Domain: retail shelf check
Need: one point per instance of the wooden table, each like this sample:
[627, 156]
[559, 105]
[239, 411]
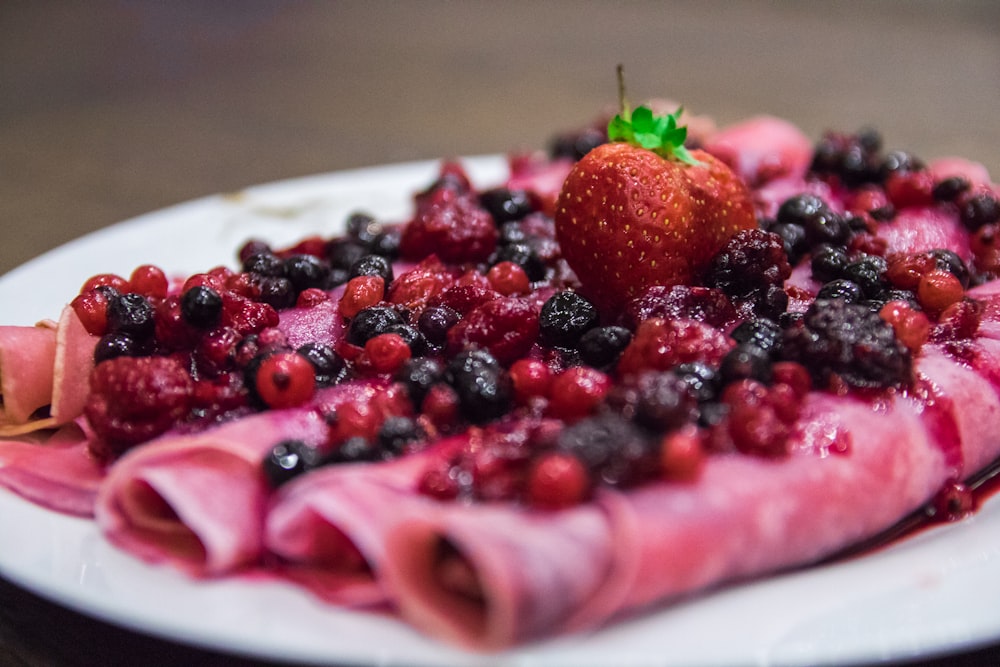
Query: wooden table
[110, 109]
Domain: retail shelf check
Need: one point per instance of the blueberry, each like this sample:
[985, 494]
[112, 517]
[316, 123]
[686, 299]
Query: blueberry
[371, 322]
[435, 322]
[289, 459]
[506, 205]
[277, 292]
[522, 255]
[483, 388]
[950, 189]
[386, 243]
[343, 253]
[362, 227]
[746, 361]
[396, 434]
[356, 449]
[980, 209]
[565, 317]
[411, 336]
[418, 375]
[664, 401]
[951, 262]
[612, 448]
[307, 271]
[601, 346]
[131, 314]
[329, 366]
[702, 379]
[201, 307]
[575, 146]
[117, 344]
[264, 264]
[372, 265]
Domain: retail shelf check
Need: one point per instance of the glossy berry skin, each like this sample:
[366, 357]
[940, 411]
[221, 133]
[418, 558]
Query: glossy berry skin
[565, 317]
[557, 480]
[627, 218]
[201, 307]
[287, 460]
[285, 380]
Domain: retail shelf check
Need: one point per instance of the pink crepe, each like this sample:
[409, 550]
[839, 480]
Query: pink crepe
[744, 517]
[328, 528]
[73, 363]
[197, 501]
[27, 360]
[53, 470]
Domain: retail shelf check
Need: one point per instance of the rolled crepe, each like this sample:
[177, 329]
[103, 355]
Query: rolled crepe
[198, 500]
[855, 469]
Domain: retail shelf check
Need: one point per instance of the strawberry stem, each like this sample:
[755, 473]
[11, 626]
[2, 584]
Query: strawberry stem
[660, 134]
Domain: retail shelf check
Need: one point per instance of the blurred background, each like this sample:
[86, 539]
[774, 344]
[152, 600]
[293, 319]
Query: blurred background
[111, 108]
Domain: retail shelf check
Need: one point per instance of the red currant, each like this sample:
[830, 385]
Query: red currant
[938, 289]
[385, 353]
[92, 309]
[530, 378]
[682, 455]
[285, 380]
[577, 391]
[508, 279]
[911, 326]
[149, 280]
[361, 292]
[557, 480]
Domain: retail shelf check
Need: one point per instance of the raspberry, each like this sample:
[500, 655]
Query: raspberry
[706, 304]
[462, 298]
[457, 229]
[507, 327]
[661, 344]
[135, 399]
[415, 288]
[756, 423]
[246, 316]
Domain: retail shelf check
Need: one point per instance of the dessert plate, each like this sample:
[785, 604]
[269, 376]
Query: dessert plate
[929, 594]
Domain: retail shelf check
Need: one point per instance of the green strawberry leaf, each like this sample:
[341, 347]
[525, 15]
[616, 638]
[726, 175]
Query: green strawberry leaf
[659, 134]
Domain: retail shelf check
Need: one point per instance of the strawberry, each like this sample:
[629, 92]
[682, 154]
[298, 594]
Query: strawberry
[643, 210]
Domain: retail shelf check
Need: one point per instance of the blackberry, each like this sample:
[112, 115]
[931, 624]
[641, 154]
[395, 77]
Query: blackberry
[277, 292]
[565, 317]
[524, 256]
[506, 205]
[828, 263]
[868, 273]
[848, 340]
[841, 288]
[131, 314]
[371, 322]
[483, 389]
[979, 209]
[287, 460]
[600, 347]
[613, 449]
[418, 375]
[396, 433]
[762, 332]
[435, 322]
[264, 264]
[746, 361]
[752, 268]
[201, 307]
[372, 265]
[307, 271]
[329, 366]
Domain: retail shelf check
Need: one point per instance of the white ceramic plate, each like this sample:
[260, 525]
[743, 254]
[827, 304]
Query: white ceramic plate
[928, 595]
